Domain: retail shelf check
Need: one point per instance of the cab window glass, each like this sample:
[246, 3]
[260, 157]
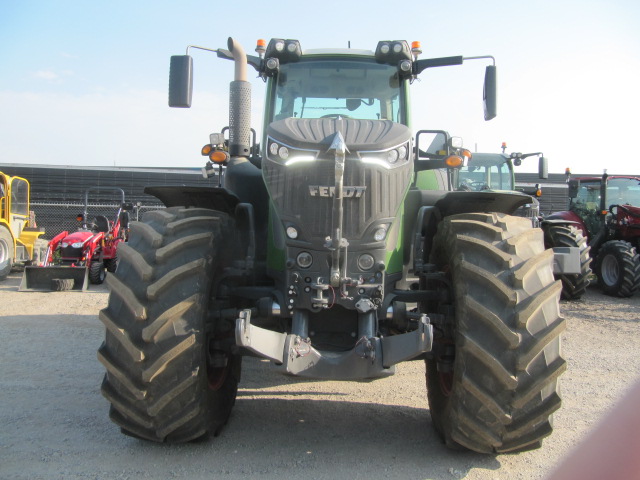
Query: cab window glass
[19, 196]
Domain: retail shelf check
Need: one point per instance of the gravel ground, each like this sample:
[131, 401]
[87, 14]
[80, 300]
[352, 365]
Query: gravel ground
[54, 422]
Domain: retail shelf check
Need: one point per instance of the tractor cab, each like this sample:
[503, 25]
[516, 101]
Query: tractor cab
[591, 198]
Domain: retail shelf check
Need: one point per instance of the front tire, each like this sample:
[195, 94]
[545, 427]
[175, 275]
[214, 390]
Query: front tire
[97, 272]
[492, 387]
[574, 285]
[111, 264]
[163, 381]
[618, 268]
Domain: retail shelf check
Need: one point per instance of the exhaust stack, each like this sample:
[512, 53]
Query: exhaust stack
[239, 104]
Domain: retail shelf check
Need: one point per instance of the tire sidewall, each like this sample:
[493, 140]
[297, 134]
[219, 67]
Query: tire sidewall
[7, 253]
[626, 260]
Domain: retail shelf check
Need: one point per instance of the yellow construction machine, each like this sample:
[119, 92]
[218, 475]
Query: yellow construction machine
[20, 241]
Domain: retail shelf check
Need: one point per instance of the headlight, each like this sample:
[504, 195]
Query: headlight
[365, 262]
[387, 158]
[289, 155]
[283, 153]
[380, 233]
[292, 232]
[304, 259]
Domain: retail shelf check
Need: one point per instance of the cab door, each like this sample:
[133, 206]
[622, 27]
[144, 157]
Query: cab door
[18, 205]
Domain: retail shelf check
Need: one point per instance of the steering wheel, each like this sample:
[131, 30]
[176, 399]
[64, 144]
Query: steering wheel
[479, 186]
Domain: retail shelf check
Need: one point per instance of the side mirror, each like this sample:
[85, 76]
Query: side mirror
[438, 143]
[573, 189]
[489, 94]
[543, 168]
[180, 81]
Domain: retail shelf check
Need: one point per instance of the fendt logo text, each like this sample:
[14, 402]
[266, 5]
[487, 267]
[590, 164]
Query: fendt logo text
[325, 191]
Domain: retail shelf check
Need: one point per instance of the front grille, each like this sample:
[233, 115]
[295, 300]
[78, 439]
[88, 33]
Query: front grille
[289, 189]
[71, 253]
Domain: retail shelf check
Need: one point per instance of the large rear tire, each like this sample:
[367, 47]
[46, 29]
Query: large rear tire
[493, 385]
[160, 379]
[618, 268]
[574, 285]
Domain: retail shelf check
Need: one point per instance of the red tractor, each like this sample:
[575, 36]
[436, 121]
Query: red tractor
[75, 259]
[607, 211]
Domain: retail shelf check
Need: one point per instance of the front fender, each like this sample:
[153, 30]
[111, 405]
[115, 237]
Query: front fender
[565, 218]
[486, 201]
[213, 198]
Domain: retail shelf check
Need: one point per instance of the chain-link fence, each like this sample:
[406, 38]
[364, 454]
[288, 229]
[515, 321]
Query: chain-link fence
[57, 217]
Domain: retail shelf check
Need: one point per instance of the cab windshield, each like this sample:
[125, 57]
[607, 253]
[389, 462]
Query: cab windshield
[486, 172]
[360, 89]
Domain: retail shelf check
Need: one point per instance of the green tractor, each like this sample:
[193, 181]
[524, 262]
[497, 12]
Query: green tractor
[487, 172]
[336, 249]
[494, 171]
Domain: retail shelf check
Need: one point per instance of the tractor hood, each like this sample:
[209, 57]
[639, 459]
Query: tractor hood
[81, 236]
[359, 135]
[301, 166]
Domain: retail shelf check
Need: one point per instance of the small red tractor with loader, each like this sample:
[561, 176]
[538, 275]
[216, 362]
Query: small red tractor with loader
[76, 259]
[606, 211]
[20, 242]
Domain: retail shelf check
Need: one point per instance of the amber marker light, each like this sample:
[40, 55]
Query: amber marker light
[416, 49]
[466, 153]
[206, 150]
[261, 47]
[219, 156]
[453, 161]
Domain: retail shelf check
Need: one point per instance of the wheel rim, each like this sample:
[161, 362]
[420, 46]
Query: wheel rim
[445, 367]
[446, 382]
[610, 270]
[217, 377]
[4, 253]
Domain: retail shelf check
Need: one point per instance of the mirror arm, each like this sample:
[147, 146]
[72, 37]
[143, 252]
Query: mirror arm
[423, 64]
[493, 60]
[538, 154]
[255, 62]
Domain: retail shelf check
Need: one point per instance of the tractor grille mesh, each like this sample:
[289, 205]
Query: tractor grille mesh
[289, 188]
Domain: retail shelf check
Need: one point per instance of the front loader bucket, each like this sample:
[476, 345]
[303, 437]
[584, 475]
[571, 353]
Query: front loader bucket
[54, 278]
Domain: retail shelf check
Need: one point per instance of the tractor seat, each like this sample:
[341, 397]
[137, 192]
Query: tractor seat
[102, 224]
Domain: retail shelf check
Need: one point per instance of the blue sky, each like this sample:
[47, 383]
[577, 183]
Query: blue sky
[85, 83]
